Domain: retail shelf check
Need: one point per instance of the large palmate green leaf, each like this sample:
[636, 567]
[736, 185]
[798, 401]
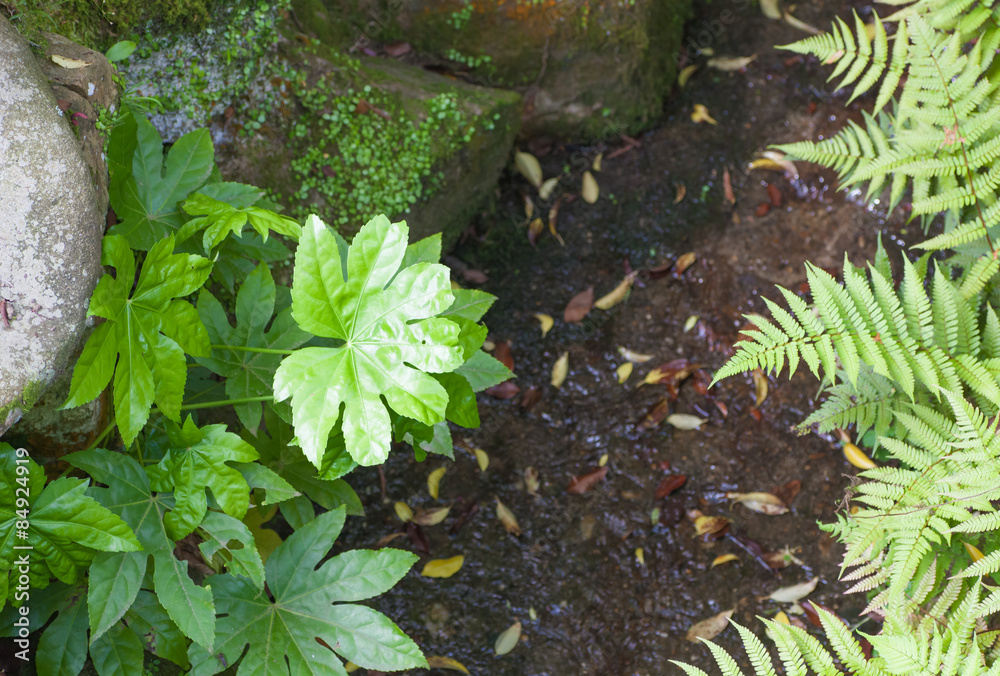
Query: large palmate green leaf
[197, 461]
[148, 331]
[128, 495]
[249, 374]
[392, 339]
[56, 528]
[146, 194]
[284, 630]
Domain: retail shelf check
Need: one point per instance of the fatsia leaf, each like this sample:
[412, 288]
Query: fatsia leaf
[115, 579]
[284, 631]
[62, 648]
[118, 652]
[150, 364]
[161, 636]
[147, 201]
[61, 527]
[483, 371]
[248, 374]
[129, 496]
[196, 461]
[324, 487]
[220, 532]
[219, 218]
[392, 340]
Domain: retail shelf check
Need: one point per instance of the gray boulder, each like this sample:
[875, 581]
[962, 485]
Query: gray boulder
[51, 224]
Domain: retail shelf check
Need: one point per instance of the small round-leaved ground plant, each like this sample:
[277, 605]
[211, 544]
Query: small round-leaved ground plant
[369, 345]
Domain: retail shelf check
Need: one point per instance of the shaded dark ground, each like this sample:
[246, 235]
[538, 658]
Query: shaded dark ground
[597, 610]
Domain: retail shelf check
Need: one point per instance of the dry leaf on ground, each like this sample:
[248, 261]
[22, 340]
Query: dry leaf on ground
[508, 639]
[443, 568]
[579, 306]
[710, 628]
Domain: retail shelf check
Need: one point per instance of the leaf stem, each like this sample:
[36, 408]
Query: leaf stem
[225, 402]
[262, 350]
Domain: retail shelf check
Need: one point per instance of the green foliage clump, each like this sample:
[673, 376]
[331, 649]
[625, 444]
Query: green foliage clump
[374, 317]
[917, 364]
[365, 148]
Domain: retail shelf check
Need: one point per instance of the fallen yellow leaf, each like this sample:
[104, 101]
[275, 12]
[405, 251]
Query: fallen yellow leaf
[624, 371]
[759, 387]
[66, 62]
[482, 459]
[590, 190]
[507, 518]
[640, 556]
[596, 166]
[603, 460]
[404, 512]
[430, 517]
[616, 295]
[795, 592]
[731, 62]
[560, 370]
[529, 207]
[724, 558]
[443, 567]
[546, 321]
[770, 9]
[434, 481]
[686, 421]
[527, 165]
[762, 503]
[531, 483]
[546, 190]
[681, 191]
[634, 357]
[507, 640]
[974, 551]
[857, 457]
[439, 662]
[700, 114]
[685, 75]
[689, 324]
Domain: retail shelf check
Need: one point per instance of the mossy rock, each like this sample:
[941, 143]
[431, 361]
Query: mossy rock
[588, 68]
[355, 138]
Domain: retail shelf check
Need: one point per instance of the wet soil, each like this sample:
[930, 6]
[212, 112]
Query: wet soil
[588, 604]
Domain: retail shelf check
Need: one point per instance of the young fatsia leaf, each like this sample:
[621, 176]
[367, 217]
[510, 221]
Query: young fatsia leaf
[197, 461]
[301, 623]
[148, 331]
[392, 340]
[220, 218]
[63, 527]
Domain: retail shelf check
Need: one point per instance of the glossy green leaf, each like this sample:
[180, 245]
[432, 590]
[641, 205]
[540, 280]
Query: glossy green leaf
[470, 304]
[129, 495]
[483, 371]
[120, 50]
[248, 374]
[147, 203]
[115, 579]
[392, 340]
[219, 218]
[195, 462]
[150, 364]
[231, 540]
[273, 444]
[287, 627]
[118, 652]
[462, 408]
[64, 527]
[161, 636]
[298, 511]
[62, 648]
[258, 476]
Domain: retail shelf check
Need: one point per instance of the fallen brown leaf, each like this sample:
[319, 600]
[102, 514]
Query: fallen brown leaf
[710, 627]
[505, 390]
[582, 484]
[579, 306]
[727, 186]
[670, 484]
[502, 354]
